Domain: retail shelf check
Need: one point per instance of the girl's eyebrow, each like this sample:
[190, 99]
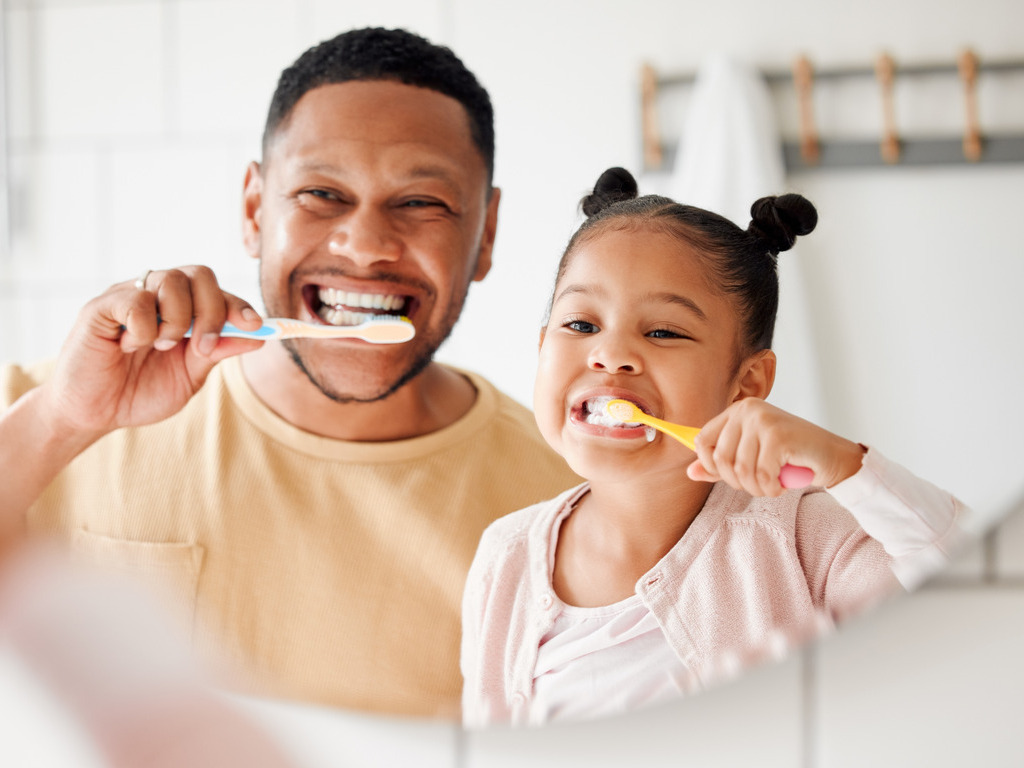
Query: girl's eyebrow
[675, 298]
[663, 297]
[586, 290]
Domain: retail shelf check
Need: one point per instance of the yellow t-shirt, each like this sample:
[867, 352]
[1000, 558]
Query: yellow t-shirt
[320, 570]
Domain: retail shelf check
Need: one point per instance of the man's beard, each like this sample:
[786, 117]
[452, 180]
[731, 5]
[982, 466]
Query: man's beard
[426, 355]
[419, 364]
[414, 370]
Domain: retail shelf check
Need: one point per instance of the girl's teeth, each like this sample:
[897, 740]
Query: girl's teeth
[597, 413]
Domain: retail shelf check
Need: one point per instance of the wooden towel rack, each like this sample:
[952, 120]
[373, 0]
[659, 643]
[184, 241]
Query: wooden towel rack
[812, 151]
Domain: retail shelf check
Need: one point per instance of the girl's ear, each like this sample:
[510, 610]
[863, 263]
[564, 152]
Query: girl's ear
[756, 376]
[540, 341]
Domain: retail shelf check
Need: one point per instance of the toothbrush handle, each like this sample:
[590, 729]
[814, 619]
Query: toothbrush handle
[792, 476]
[268, 330]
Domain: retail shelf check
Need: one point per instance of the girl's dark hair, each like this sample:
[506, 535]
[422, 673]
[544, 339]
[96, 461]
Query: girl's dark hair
[743, 263]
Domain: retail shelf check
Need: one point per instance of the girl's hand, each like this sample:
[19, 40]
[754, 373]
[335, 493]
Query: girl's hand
[126, 363]
[747, 445]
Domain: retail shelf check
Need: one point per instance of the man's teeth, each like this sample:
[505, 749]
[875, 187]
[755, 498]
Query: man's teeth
[333, 316]
[384, 302]
[340, 307]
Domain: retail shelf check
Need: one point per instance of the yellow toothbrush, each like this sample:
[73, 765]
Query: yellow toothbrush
[790, 476]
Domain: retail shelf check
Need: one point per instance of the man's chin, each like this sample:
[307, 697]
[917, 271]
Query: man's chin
[350, 386]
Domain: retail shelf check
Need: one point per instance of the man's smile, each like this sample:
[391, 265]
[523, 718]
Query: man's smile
[338, 307]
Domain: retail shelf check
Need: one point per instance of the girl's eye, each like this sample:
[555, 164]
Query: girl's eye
[581, 326]
[665, 333]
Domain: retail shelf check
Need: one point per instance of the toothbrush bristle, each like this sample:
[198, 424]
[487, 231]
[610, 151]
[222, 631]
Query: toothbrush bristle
[388, 329]
[621, 409]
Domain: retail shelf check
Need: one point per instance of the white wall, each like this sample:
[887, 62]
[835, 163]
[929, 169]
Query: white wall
[130, 125]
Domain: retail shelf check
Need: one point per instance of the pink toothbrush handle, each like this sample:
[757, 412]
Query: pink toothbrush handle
[792, 476]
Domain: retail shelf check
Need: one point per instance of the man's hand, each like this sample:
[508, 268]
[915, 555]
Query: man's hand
[126, 361]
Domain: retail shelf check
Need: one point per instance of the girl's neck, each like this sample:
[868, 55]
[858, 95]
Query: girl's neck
[618, 532]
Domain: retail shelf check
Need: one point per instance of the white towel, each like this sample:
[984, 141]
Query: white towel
[729, 155]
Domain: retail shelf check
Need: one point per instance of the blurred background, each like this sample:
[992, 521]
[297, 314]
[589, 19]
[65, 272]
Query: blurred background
[127, 128]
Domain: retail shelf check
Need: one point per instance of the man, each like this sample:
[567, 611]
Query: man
[314, 506]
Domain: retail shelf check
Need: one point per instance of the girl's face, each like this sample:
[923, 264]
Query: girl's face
[635, 316]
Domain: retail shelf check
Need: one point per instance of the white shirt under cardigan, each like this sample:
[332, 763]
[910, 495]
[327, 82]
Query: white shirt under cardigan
[749, 578]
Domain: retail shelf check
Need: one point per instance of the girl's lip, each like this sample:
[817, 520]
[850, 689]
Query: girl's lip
[577, 417]
[612, 392]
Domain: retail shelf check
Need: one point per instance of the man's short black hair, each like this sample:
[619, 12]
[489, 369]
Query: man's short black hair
[385, 54]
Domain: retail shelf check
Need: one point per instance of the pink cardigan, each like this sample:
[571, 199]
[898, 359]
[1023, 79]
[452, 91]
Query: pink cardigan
[750, 578]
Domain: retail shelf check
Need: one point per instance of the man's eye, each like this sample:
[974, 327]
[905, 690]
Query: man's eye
[319, 194]
[581, 326]
[419, 202]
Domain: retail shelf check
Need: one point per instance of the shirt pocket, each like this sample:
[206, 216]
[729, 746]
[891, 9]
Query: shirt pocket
[169, 569]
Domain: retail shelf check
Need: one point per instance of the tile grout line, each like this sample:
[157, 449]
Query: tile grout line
[5, 199]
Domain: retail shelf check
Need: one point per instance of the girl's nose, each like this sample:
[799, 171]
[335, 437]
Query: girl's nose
[365, 236]
[614, 356]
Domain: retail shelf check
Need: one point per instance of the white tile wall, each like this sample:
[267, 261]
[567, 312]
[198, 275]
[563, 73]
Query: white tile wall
[175, 204]
[101, 70]
[20, 48]
[227, 56]
[56, 222]
[131, 122]
[329, 17]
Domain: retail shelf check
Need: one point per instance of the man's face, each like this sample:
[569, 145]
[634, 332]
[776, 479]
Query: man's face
[372, 199]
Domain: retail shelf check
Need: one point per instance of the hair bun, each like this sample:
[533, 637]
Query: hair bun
[778, 221]
[613, 186]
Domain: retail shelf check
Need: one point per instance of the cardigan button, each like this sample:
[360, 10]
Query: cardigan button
[518, 699]
[546, 600]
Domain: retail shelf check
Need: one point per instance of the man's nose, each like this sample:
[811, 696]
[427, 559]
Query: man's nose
[365, 236]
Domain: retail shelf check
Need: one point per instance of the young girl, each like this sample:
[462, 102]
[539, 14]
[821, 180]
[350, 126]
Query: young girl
[667, 571]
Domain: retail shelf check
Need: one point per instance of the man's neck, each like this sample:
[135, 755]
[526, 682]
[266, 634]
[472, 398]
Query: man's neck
[432, 400]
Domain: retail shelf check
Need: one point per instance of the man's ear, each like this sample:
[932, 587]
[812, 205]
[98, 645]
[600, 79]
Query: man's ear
[483, 262]
[756, 376]
[252, 202]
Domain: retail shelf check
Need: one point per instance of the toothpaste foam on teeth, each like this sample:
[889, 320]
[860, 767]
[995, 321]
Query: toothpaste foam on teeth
[598, 414]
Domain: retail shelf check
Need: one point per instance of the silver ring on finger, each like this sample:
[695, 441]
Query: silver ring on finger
[140, 281]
